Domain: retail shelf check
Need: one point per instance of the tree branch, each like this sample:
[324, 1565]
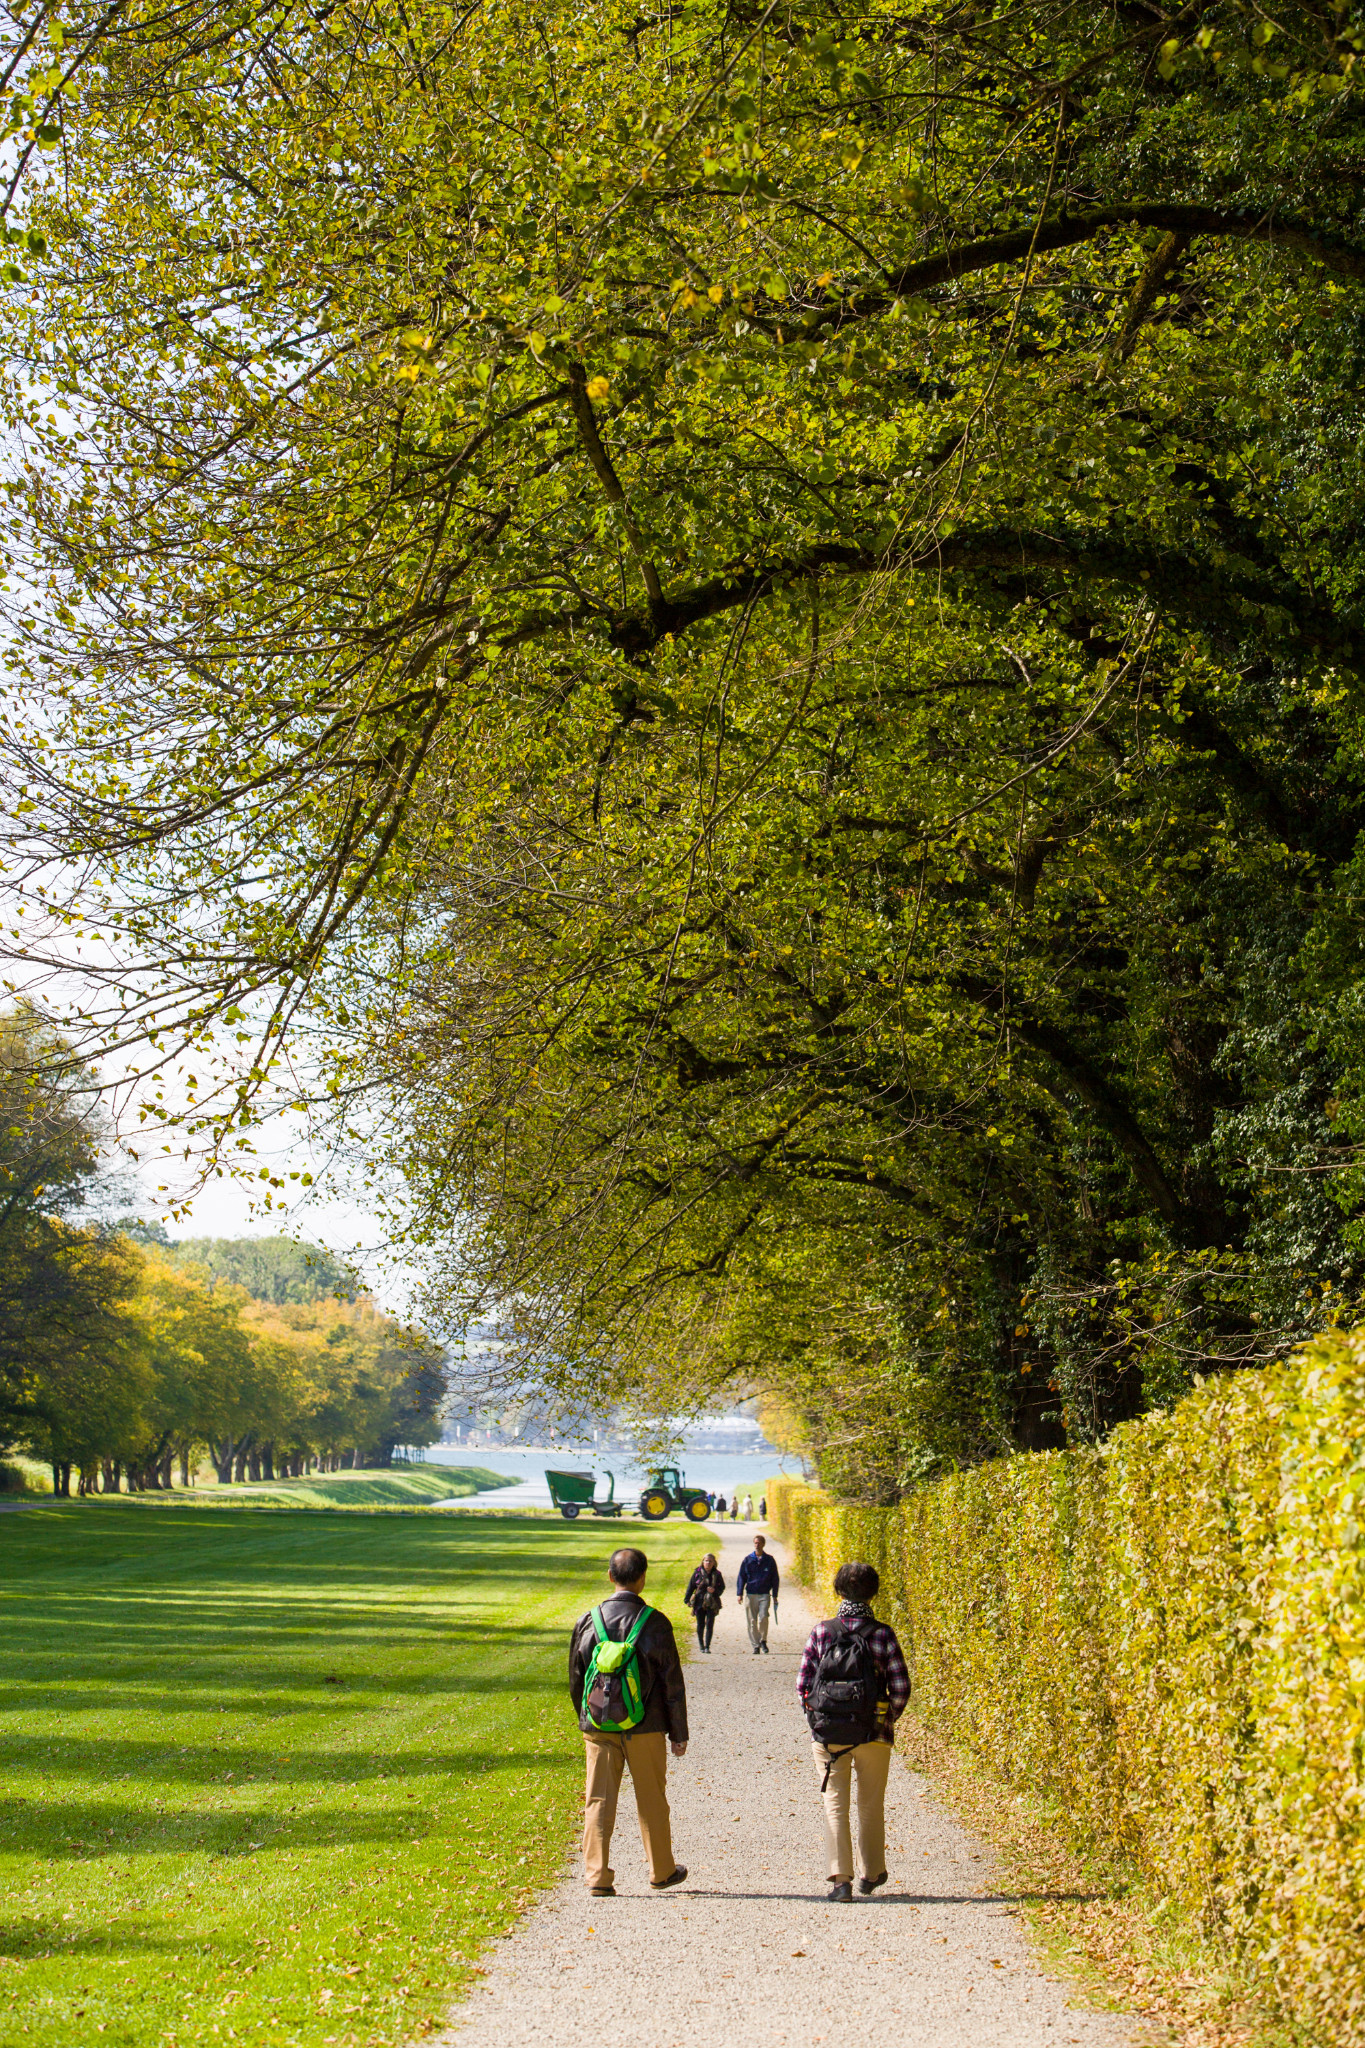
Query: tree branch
[1164, 259]
[1067, 231]
[607, 477]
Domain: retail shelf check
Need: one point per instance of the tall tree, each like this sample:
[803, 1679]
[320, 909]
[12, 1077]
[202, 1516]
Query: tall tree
[62, 1284]
[760, 616]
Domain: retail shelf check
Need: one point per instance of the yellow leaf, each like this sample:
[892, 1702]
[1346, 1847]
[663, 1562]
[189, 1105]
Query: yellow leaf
[598, 387]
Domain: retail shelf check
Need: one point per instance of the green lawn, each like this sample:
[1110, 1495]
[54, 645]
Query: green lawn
[412, 1486]
[279, 1778]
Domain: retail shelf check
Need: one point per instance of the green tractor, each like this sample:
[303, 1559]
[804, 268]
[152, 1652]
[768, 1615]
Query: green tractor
[665, 1490]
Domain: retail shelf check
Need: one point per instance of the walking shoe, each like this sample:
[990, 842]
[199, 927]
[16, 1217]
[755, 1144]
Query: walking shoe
[666, 1883]
[764, 1648]
[757, 1647]
[870, 1884]
[840, 1891]
[602, 1891]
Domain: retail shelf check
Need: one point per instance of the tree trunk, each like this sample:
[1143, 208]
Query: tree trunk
[185, 1466]
[165, 1474]
[222, 1460]
[61, 1480]
[254, 1463]
[109, 1476]
[267, 1461]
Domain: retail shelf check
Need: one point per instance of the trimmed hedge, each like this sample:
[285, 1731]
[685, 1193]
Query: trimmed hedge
[1167, 1635]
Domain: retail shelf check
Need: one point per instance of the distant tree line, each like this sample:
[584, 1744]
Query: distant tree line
[124, 1357]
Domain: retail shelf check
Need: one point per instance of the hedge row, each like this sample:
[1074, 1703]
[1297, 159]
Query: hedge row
[1168, 1636]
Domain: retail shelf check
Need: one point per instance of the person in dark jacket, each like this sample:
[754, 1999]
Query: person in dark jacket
[757, 1585]
[865, 1766]
[642, 1749]
[705, 1592]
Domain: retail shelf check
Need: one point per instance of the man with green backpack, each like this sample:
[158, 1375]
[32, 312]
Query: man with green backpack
[626, 1683]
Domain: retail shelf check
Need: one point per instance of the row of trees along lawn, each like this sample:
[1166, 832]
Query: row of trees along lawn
[124, 1358]
[753, 619]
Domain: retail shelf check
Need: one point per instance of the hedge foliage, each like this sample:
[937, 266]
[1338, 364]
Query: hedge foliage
[1167, 1635]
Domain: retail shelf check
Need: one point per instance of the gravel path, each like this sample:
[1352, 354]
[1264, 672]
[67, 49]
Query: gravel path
[748, 1949]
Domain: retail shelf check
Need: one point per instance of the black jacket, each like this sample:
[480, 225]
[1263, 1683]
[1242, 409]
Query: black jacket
[705, 1591]
[657, 1655]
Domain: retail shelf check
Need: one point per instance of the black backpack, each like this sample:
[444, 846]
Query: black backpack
[842, 1705]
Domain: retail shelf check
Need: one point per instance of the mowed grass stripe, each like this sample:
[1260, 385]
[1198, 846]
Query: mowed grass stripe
[280, 1778]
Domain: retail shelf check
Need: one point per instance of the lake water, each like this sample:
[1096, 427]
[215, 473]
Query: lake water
[716, 1471]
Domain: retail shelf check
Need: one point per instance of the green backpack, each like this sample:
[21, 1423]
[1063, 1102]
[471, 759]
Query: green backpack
[613, 1698]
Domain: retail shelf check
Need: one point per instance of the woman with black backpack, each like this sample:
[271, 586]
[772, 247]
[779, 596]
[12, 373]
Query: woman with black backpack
[705, 1592]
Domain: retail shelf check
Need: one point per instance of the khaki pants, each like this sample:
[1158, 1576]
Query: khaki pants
[756, 1614]
[607, 1758]
[868, 1764]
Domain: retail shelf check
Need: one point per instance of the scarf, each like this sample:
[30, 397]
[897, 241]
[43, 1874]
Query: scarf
[855, 1610]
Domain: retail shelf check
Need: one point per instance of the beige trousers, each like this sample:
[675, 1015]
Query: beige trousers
[756, 1607]
[607, 1758]
[868, 1765]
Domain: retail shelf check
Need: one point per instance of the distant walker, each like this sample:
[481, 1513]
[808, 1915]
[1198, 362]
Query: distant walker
[757, 1587]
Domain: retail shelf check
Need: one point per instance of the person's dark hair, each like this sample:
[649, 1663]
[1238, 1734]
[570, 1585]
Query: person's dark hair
[627, 1566]
[856, 1581]
[760, 1543]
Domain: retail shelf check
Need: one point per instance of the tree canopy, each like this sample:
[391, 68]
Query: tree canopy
[754, 618]
[274, 1269]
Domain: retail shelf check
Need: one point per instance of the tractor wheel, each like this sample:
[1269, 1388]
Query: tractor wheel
[569, 1510]
[655, 1506]
[698, 1509]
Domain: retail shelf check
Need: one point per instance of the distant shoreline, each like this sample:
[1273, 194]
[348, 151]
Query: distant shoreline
[600, 1451]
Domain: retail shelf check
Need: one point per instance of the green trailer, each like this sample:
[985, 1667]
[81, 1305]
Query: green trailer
[574, 1493]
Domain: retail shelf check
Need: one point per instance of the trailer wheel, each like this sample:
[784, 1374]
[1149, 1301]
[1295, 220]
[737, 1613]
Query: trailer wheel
[569, 1510]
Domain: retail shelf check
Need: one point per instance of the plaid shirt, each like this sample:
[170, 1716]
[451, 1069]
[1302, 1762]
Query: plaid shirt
[886, 1655]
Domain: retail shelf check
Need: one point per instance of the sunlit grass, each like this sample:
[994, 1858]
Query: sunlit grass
[410, 1486]
[279, 1778]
